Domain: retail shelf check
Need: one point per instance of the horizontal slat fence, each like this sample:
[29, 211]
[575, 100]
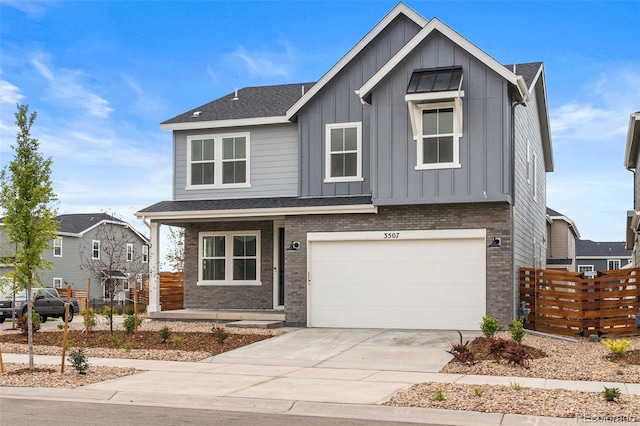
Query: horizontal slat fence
[567, 303]
[171, 291]
[81, 295]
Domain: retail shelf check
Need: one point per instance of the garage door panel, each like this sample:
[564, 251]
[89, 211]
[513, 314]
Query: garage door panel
[399, 284]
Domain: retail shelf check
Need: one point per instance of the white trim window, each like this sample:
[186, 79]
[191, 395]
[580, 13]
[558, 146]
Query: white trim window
[95, 250]
[588, 270]
[229, 258]
[343, 152]
[438, 146]
[57, 247]
[218, 161]
[129, 252]
[145, 254]
[57, 283]
[613, 264]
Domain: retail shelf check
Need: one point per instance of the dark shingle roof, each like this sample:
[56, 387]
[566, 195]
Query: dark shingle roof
[588, 248]
[252, 102]
[528, 71]
[78, 223]
[552, 212]
[559, 261]
[252, 203]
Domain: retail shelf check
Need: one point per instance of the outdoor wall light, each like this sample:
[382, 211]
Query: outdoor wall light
[295, 245]
[495, 242]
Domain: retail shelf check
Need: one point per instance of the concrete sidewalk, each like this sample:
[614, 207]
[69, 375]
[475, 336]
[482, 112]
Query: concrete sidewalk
[316, 372]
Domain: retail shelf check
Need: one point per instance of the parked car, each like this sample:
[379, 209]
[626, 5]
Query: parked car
[47, 302]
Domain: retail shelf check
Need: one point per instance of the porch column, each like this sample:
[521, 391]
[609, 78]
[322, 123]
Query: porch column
[154, 269]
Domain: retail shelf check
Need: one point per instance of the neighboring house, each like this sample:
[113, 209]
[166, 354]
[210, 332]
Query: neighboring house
[631, 160]
[78, 237]
[404, 189]
[593, 256]
[562, 234]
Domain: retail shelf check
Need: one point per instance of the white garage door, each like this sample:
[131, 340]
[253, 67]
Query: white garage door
[404, 279]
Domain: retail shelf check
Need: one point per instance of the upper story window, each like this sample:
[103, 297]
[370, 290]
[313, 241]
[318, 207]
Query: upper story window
[145, 253]
[343, 152]
[434, 97]
[57, 247]
[129, 252]
[229, 258]
[613, 264]
[57, 282]
[216, 161]
[95, 249]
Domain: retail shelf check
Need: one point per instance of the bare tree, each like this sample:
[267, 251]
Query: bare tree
[108, 259]
[175, 256]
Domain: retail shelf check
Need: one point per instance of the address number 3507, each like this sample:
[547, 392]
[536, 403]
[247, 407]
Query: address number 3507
[391, 235]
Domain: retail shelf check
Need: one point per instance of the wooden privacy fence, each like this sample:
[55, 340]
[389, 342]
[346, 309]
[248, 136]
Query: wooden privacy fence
[568, 303]
[171, 291]
[81, 295]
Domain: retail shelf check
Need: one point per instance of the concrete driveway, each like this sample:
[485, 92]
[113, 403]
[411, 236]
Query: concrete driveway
[370, 349]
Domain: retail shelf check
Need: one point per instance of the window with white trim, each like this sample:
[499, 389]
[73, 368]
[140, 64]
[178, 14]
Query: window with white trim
[129, 252]
[145, 254]
[57, 282]
[216, 161]
[343, 147]
[587, 269]
[95, 249]
[57, 247]
[613, 264]
[229, 258]
[434, 97]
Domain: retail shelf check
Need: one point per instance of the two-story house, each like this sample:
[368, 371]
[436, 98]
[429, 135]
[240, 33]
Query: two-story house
[562, 234]
[403, 189]
[631, 159]
[593, 256]
[85, 238]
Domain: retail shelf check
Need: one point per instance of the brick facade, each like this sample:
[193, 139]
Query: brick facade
[496, 218]
[228, 296]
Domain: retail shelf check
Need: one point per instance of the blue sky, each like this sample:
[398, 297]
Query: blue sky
[102, 75]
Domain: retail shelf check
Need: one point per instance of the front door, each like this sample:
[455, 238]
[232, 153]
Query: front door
[281, 267]
[278, 264]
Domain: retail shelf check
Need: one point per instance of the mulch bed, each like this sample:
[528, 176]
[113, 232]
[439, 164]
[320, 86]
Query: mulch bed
[188, 341]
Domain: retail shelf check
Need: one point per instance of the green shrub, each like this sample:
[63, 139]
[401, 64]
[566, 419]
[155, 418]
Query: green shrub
[517, 330]
[130, 323]
[490, 326]
[79, 360]
[93, 321]
[219, 333]
[176, 341]
[129, 310]
[114, 340]
[106, 313]
[478, 391]
[438, 395]
[618, 347]
[23, 323]
[127, 347]
[611, 394]
[165, 334]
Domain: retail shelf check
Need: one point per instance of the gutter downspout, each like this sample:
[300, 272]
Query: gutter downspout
[515, 279]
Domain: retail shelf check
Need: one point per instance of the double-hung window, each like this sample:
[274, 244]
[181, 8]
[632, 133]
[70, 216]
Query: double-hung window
[229, 258]
[613, 264]
[57, 247]
[343, 147]
[129, 252]
[434, 97]
[145, 254]
[95, 249]
[57, 282]
[217, 161]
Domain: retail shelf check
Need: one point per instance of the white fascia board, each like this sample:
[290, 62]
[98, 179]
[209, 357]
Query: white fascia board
[68, 234]
[436, 234]
[543, 108]
[631, 146]
[401, 8]
[113, 222]
[436, 25]
[570, 223]
[609, 257]
[434, 95]
[245, 213]
[196, 125]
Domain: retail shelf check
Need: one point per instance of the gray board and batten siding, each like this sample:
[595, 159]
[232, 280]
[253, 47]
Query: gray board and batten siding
[273, 165]
[338, 103]
[484, 147]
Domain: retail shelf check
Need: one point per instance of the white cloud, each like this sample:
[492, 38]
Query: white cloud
[9, 94]
[266, 63]
[145, 103]
[66, 87]
[33, 8]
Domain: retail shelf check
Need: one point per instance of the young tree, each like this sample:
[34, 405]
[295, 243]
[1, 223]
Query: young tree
[175, 256]
[110, 263]
[26, 193]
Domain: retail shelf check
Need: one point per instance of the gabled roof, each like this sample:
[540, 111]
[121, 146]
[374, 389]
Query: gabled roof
[76, 225]
[400, 8]
[247, 106]
[554, 215]
[633, 141]
[436, 25]
[589, 248]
